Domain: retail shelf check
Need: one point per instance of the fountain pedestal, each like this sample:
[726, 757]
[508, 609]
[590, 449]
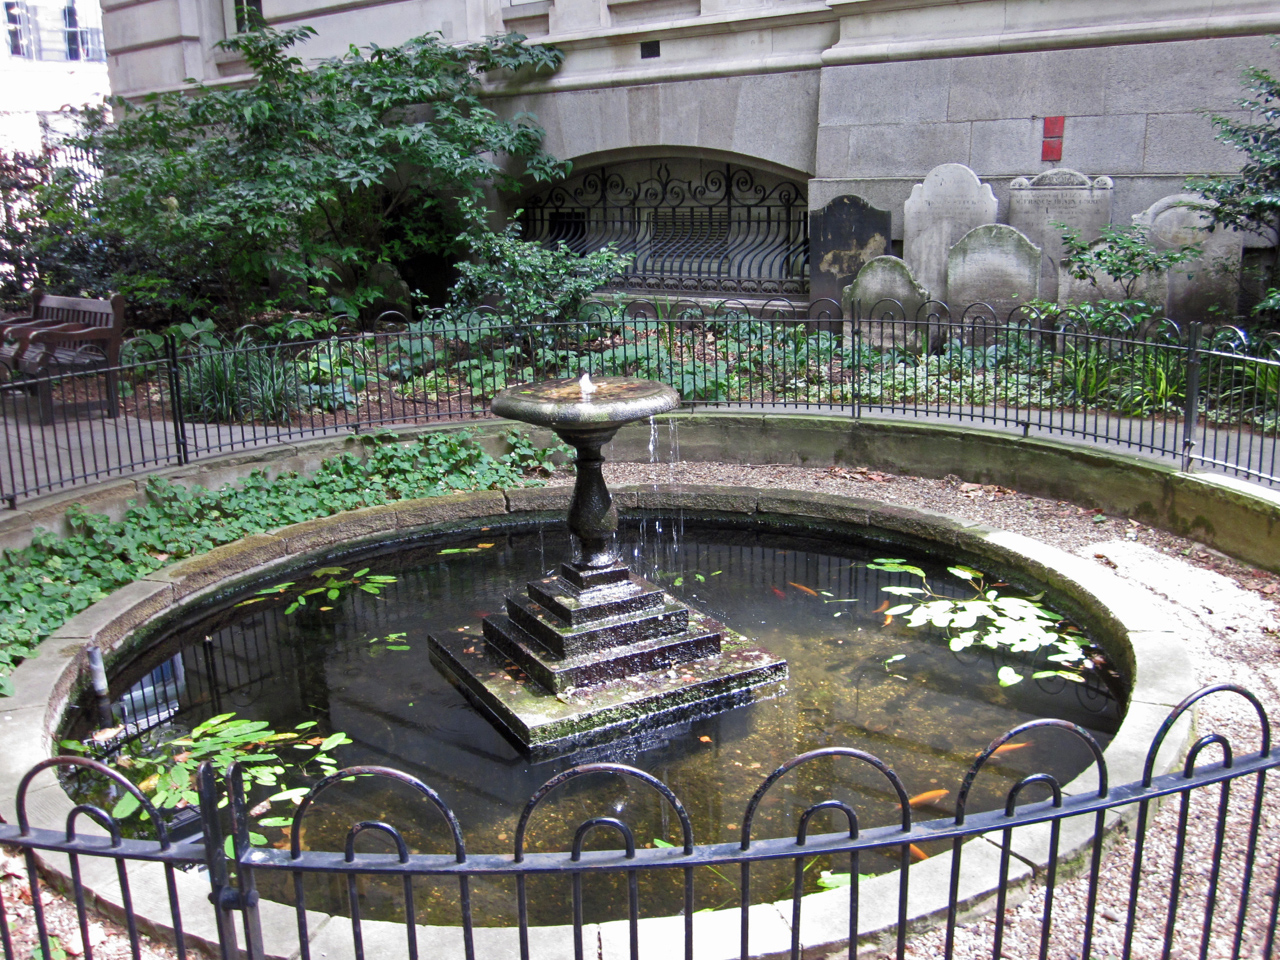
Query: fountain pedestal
[607, 655]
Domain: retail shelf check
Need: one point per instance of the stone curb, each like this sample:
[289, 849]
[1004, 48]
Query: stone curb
[1139, 634]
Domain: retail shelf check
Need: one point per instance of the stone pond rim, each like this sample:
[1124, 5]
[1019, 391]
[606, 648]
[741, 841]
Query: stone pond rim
[1139, 633]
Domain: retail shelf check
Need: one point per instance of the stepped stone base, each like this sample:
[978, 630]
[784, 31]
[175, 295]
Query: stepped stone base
[547, 724]
[598, 654]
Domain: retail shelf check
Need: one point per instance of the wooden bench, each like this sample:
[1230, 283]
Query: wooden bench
[64, 335]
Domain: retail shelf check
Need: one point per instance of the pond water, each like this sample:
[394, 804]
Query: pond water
[896, 691]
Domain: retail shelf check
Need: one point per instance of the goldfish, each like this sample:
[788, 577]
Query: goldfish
[705, 739]
[926, 799]
[802, 588]
[1009, 748]
[917, 853]
[778, 592]
[888, 619]
[882, 608]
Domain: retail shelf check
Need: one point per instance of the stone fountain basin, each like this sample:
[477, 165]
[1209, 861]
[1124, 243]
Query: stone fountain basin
[560, 404]
[1137, 634]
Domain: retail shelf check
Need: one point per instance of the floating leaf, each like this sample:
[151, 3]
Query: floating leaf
[125, 806]
[1008, 676]
[1041, 674]
[833, 881]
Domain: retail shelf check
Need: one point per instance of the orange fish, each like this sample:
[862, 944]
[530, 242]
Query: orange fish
[887, 620]
[1009, 748]
[882, 608]
[802, 588]
[926, 799]
[778, 592]
[917, 853]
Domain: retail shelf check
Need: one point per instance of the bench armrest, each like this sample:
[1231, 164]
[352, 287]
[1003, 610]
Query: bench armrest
[70, 332]
[19, 327]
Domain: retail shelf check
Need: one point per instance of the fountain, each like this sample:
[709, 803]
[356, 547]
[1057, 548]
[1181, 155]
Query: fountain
[607, 654]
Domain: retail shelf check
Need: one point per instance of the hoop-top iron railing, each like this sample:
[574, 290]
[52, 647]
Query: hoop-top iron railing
[1198, 877]
[1208, 398]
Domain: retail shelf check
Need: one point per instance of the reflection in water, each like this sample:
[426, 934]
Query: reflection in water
[897, 692]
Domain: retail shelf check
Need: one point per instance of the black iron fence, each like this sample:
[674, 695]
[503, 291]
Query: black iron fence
[1203, 397]
[1191, 873]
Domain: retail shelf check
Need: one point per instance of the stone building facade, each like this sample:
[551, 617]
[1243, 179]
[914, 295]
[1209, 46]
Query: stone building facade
[845, 98]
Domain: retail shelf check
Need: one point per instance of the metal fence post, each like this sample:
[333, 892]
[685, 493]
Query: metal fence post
[1191, 415]
[246, 894]
[175, 400]
[855, 351]
[222, 894]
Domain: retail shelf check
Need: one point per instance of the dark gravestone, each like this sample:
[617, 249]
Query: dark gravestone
[843, 235]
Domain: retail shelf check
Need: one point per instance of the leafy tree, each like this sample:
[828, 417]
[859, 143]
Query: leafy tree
[528, 282]
[21, 176]
[1124, 254]
[313, 180]
[1251, 200]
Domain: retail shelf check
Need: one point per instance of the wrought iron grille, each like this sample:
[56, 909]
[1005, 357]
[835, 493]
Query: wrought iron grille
[726, 235]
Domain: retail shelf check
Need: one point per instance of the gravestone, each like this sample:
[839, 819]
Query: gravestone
[843, 235]
[867, 303]
[950, 203]
[1058, 196]
[995, 264]
[1192, 288]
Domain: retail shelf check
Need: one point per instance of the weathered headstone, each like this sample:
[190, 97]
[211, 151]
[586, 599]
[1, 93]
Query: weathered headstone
[843, 235]
[950, 203]
[1193, 287]
[1058, 196]
[995, 264]
[884, 301]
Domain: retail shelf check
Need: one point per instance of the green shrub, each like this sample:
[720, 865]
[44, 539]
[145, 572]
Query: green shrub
[43, 585]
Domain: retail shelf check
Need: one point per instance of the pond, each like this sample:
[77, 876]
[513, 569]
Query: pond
[358, 662]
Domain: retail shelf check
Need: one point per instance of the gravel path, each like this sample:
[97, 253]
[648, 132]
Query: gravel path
[1229, 615]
